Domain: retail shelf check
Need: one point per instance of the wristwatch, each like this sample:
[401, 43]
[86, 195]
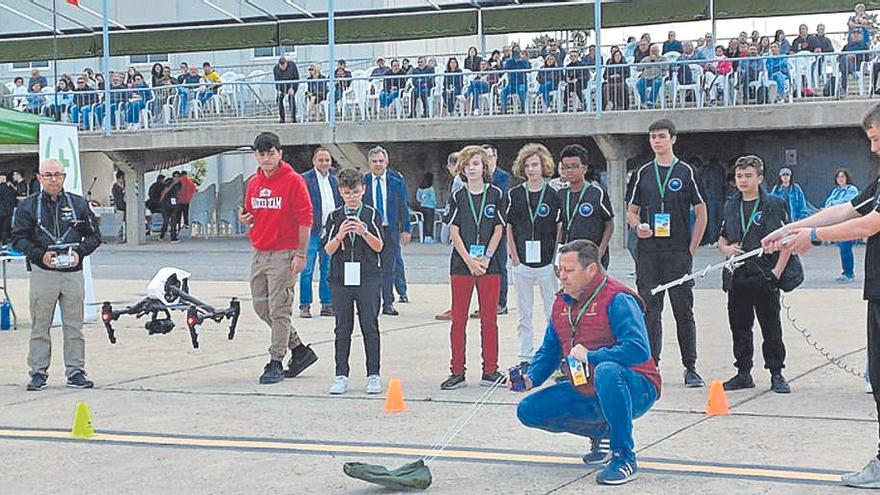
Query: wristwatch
[814, 239]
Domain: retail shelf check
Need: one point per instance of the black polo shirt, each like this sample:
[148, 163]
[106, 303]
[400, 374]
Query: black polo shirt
[771, 214]
[492, 214]
[522, 204]
[356, 249]
[683, 190]
[584, 217]
[867, 201]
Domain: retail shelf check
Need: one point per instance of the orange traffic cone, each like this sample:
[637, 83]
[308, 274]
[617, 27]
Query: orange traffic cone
[717, 403]
[394, 400]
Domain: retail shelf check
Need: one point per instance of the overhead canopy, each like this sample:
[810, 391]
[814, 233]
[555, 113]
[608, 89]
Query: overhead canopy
[18, 127]
[397, 26]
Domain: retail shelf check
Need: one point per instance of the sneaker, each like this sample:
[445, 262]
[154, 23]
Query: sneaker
[327, 311]
[491, 378]
[502, 310]
[403, 299]
[843, 279]
[273, 372]
[692, 379]
[868, 477]
[175, 241]
[38, 382]
[80, 380]
[444, 316]
[868, 388]
[619, 471]
[305, 311]
[374, 385]
[300, 358]
[339, 385]
[453, 382]
[740, 381]
[778, 384]
[389, 311]
[475, 314]
[600, 452]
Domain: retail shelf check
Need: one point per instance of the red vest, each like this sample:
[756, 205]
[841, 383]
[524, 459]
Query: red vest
[595, 329]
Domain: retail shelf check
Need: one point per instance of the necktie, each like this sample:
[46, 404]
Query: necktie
[380, 201]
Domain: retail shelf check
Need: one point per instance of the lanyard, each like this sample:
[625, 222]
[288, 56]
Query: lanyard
[351, 235]
[534, 215]
[55, 239]
[478, 217]
[575, 324]
[742, 217]
[662, 185]
[569, 213]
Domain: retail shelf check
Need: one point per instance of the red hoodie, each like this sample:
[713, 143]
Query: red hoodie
[187, 191]
[280, 205]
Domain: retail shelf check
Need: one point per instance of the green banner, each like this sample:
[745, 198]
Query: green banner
[18, 127]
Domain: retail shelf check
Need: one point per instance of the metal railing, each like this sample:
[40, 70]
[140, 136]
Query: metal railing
[670, 83]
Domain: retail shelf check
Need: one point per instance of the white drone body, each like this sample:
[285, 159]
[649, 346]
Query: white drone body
[156, 287]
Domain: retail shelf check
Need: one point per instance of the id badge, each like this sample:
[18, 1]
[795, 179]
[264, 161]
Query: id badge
[533, 251]
[662, 224]
[578, 371]
[173, 201]
[352, 274]
[477, 250]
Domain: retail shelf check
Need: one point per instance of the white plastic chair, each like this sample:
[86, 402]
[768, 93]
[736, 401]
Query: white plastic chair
[696, 86]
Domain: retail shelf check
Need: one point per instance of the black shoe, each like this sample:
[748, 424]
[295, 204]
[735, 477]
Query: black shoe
[453, 382]
[389, 310]
[38, 382]
[80, 380]
[740, 381]
[778, 384]
[272, 373]
[502, 310]
[692, 379]
[403, 299]
[327, 311]
[301, 358]
[491, 378]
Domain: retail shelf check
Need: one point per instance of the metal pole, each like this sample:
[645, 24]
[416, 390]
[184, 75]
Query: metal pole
[712, 18]
[480, 33]
[597, 73]
[105, 42]
[55, 54]
[331, 45]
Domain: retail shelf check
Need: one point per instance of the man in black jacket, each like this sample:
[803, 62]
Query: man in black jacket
[170, 207]
[286, 71]
[8, 203]
[43, 225]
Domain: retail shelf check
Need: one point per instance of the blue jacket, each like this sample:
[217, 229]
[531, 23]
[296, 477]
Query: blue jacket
[841, 194]
[422, 79]
[502, 179]
[515, 79]
[777, 64]
[797, 201]
[311, 177]
[397, 209]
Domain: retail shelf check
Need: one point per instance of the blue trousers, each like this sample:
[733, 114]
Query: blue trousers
[386, 97]
[846, 258]
[621, 396]
[183, 102]
[521, 90]
[133, 112]
[315, 254]
[781, 81]
[99, 114]
[546, 91]
[642, 86]
[399, 272]
[476, 89]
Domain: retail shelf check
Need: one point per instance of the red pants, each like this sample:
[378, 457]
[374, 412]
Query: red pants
[488, 289]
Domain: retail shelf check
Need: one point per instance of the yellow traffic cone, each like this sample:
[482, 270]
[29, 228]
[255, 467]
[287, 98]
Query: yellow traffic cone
[82, 422]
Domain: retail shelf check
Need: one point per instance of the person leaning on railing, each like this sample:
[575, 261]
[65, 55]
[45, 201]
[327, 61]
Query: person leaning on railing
[286, 71]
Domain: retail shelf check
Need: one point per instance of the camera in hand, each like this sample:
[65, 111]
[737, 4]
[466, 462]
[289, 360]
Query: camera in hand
[64, 257]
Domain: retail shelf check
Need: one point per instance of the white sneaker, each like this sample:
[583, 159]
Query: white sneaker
[339, 385]
[868, 388]
[868, 477]
[374, 385]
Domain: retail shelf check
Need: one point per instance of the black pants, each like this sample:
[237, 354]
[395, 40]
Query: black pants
[388, 259]
[428, 214]
[5, 229]
[292, 102]
[743, 304]
[502, 254]
[170, 218]
[874, 352]
[653, 269]
[367, 299]
[184, 214]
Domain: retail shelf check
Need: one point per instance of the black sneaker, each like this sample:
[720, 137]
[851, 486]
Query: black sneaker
[778, 384]
[80, 380]
[453, 382]
[403, 299]
[600, 452]
[38, 382]
[740, 381]
[389, 310]
[491, 378]
[692, 379]
[272, 373]
[300, 358]
[502, 310]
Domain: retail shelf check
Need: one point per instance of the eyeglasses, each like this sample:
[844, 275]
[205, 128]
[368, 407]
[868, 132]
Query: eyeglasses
[53, 175]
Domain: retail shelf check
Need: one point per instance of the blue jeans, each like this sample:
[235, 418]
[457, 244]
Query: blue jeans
[521, 90]
[846, 258]
[386, 97]
[78, 114]
[781, 81]
[642, 86]
[99, 114]
[399, 272]
[315, 254]
[182, 102]
[133, 112]
[621, 396]
[546, 90]
[204, 96]
[476, 89]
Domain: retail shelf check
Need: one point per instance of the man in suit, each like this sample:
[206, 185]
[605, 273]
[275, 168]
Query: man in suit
[324, 193]
[502, 180]
[387, 194]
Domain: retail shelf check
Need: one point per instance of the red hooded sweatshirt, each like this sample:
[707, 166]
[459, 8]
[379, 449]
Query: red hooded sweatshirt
[280, 205]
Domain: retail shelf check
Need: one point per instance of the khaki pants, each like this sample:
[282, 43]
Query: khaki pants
[47, 288]
[272, 283]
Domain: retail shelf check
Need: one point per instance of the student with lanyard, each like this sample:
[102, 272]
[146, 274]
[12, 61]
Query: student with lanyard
[532, 219]
[586, 209]
[751, 289]
[353, 240]
[476, 227]
[662, 194]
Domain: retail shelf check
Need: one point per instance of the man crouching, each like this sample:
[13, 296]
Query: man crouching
[597, 335]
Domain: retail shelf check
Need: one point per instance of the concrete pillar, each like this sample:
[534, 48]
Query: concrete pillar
[135, 232]
[348, 155]
[617, 149]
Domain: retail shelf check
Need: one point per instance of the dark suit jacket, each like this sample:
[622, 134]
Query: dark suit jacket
[311, 178]
[396, 203]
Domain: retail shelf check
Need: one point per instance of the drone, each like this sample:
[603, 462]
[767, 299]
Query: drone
[168, 291]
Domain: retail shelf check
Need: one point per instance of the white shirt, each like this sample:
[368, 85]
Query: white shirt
[384, 184]
[328, 202]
